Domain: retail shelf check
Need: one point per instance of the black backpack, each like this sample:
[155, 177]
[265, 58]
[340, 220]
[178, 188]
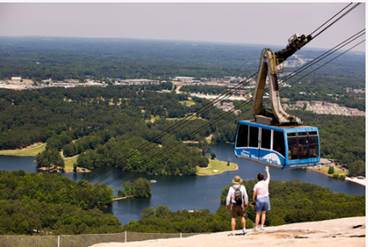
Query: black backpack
[238, 196]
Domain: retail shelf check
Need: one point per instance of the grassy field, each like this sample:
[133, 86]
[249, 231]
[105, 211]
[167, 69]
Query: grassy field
[188, 103]
[216, 167]
[324, 170]
[153, 119]
[69, 162]
[31, 150]
[209, 139]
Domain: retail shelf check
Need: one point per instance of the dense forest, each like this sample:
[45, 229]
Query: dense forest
[291, 202]
[118, 126]
[50, 203]
[342, 139]
[110, 127]
[80, 207]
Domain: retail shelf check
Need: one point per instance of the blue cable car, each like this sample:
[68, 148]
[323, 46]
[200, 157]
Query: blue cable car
[275, 137]
[283, 146]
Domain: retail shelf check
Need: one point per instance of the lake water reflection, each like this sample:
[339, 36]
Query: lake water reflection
[188, 192]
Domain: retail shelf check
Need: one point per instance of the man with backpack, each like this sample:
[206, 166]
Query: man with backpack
[236, 202]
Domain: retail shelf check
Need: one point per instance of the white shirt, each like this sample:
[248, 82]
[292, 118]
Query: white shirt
[231, 194]
[261, 188]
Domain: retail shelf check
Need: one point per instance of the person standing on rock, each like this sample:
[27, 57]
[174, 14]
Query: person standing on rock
[262, 199]
[237, 202]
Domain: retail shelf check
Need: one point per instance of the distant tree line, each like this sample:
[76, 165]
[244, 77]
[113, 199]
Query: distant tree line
[204, 89]
[53, 204]
[291, 202]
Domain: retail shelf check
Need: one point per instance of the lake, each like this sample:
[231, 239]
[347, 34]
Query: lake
[189, 192]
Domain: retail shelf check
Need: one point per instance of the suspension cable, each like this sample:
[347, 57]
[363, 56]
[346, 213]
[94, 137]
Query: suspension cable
[315, 30]
[183, 122]
[336, 20]
[220, 117]
[331, 60]
[327, 53]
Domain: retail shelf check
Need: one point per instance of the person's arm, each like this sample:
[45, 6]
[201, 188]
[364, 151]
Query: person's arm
[228, 198]
[254, 193]
[245, 196]
[268, 174]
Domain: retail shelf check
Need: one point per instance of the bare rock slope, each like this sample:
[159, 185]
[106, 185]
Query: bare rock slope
[343, 232]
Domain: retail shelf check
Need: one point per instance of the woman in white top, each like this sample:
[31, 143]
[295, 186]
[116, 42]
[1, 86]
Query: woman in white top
[261, 197]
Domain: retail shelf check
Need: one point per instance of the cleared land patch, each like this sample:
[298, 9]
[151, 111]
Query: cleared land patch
[31, 150]
[216, 167]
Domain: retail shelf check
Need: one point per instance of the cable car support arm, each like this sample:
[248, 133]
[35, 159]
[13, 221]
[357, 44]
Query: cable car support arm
[268, 67]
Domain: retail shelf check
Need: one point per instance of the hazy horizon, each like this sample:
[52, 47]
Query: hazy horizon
[223, 23]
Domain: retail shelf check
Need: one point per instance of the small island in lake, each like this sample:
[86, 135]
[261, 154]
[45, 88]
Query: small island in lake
[216, 167]
[138, 188]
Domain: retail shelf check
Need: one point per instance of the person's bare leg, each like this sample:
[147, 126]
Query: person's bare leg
[243, 222]
[263, 218]
[257, 219]
[233, 224]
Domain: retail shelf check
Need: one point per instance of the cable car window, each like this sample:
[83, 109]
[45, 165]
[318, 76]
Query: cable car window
[312, 133]
[253, 136]
[266, 138]
[303, 147]
[302, 133]
[279, 142]
[242, 140]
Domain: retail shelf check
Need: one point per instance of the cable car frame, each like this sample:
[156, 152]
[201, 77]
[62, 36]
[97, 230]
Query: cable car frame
[275, 137]
[286, 146]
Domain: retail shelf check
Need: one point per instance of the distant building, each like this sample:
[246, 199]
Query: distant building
[185, 79]
[16, 78]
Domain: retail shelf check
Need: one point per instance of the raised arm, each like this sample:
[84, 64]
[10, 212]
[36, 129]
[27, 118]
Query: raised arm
[268, 174]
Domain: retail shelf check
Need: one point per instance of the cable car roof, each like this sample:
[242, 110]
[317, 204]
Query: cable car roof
[286, 128]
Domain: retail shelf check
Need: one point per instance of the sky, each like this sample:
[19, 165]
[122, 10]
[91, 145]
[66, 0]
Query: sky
[244, 23]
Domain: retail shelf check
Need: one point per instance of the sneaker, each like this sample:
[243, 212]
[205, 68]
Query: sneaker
[244, 231]
[262, 228]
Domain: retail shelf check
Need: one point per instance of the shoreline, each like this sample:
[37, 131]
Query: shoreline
[120, 198]
[318, 169]
[362, 182]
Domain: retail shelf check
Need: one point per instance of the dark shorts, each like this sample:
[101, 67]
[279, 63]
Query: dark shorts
[238, 211]
[263, 204]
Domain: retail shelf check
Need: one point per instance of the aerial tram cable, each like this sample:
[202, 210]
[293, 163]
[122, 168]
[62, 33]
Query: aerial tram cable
[220, 117]
[274, 136]
[336, 20]
[203, 109]
[210, 104]
[248, 102]
[281, 145]
[182, 123]
[315, 30]
[327, 53]
[331, 60]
